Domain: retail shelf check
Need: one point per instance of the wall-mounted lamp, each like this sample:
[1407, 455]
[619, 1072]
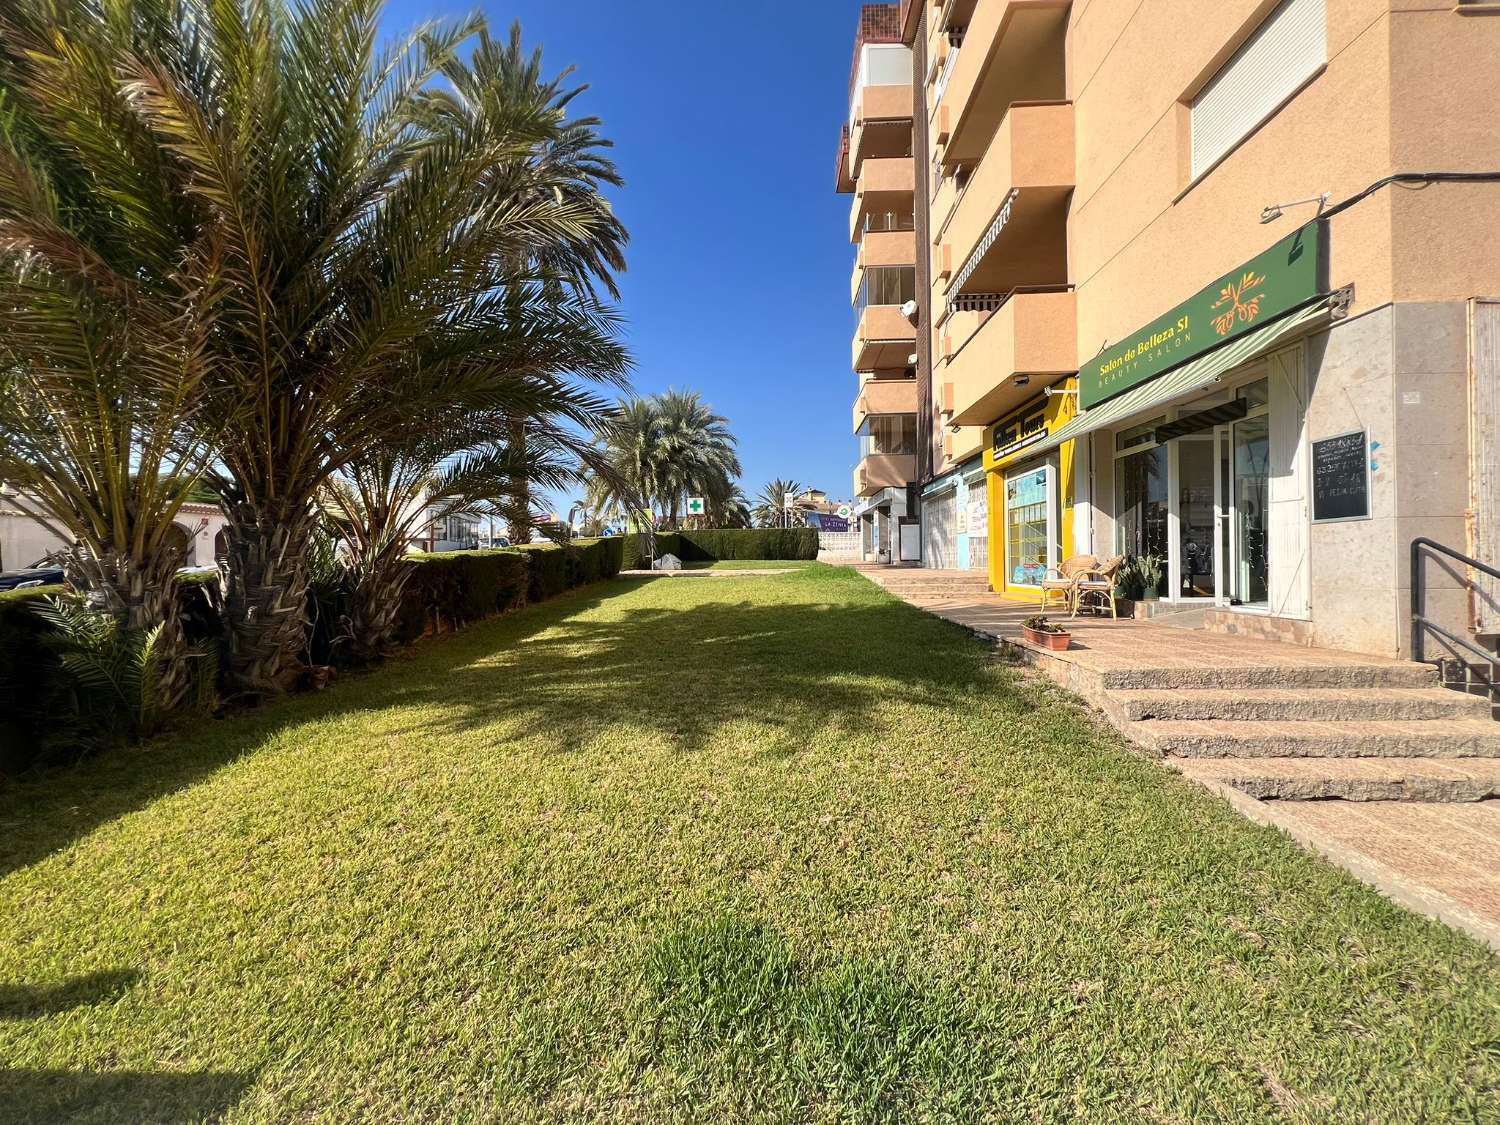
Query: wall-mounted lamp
[1021, 380]
[1272, 212]
[1050, 391]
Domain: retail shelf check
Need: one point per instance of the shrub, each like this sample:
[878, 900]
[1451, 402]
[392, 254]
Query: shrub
[596, 560]
[633, 548]
[799, 543]
[549, 570]
[453, 588]
[29, 678]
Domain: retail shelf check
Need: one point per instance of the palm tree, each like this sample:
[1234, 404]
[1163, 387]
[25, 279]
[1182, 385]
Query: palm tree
[566, 164]
[366, 272]
[379, 504]
[770, 506]
[107, 312]
[663, 449]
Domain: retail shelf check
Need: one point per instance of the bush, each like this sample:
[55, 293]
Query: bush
[595, 560]
[549, 570]
[775, 543]
[30, 678]
[453, 588]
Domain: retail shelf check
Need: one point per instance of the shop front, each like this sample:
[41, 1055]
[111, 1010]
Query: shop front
[1195, 433]
[1031, 494]
[948, 527]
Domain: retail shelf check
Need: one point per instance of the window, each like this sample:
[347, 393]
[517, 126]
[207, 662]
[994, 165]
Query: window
[1141, 503]
[891, 435]
[1028, 526]
[885, 285]
[1285, 51]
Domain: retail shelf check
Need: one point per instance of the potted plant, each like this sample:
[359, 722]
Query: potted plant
[1046, 634]
[1150, 568]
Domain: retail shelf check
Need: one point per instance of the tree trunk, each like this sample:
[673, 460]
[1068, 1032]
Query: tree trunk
[265, 597]
[375, 607]
[519, 527]
[140, 596]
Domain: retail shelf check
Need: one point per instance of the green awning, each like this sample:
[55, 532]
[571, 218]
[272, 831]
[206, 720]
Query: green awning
[1191, 376]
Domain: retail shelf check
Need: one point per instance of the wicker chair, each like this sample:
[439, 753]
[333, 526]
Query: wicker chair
[1098, 586]
[1061, 580]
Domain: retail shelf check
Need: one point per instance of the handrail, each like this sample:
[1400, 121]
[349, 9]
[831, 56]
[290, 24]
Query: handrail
[1421, 626]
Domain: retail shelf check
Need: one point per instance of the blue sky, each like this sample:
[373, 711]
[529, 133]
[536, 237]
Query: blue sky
[725, 118]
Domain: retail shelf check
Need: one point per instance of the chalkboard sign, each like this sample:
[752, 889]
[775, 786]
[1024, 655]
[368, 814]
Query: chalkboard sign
[1341, 478]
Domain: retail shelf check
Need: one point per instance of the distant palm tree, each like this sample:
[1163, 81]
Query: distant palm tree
[663, 449]
[770, 506]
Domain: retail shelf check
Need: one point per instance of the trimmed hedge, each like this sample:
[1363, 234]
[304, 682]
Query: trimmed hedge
[444, 591]
[774, 543]
[28, 677]
[453, 588]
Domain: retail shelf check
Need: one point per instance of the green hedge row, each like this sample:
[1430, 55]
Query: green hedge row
[775, 543]
[444, 591]
[454, 588]
[28, 677]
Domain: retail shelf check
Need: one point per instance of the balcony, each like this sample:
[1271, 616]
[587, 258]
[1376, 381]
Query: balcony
[881, 126]
[883, 248]
[881, 397]
[1008, 228]
[883, 470]
[1013, 51]
[884, 339]
[885, 184]
[1033, 334]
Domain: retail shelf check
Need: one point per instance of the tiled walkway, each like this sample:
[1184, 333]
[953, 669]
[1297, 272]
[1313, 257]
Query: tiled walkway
[1442, 859]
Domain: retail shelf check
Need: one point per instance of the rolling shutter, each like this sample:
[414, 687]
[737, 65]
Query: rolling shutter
[1285, 51]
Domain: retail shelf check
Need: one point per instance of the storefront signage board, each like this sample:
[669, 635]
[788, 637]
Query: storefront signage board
[1275, 282]
[1341, 478]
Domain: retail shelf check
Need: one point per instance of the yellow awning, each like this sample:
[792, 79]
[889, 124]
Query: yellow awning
[1191, 376]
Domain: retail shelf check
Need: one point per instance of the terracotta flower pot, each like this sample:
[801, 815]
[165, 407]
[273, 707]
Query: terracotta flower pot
[1054, 642]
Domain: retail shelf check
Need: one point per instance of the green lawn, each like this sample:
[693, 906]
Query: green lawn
[779, 848]
[749, 564]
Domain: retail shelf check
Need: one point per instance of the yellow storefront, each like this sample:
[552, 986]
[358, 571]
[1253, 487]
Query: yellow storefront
[1031, 496]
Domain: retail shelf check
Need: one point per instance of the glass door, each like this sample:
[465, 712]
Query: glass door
[1193, 517]
[1030, 526]
[1241, 500]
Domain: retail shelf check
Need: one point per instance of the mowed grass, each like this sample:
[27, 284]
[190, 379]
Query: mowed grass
[779, 848]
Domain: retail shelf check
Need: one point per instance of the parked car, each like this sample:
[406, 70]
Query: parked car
[43, 572]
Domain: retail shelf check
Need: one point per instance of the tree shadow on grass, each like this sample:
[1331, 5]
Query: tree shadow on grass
[56, 1096]
[804, 670]
[807, 665]
[25, 1002]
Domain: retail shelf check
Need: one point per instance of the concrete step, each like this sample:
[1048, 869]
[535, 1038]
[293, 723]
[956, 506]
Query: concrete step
[1276, 704]
[1359, 779]
[1291, 676]
[1305, 738]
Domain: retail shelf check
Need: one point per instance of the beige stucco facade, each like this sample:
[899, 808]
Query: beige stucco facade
[1059, 212]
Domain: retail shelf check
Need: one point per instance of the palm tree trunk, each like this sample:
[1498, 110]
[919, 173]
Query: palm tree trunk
[375, 606]
[519, 527]
[265, 601]
[141, 596]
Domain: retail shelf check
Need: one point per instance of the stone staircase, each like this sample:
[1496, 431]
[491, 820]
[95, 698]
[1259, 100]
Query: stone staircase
[1358, 732]
[917, 584]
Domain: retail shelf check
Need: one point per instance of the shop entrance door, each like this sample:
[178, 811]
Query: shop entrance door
[1242, 490]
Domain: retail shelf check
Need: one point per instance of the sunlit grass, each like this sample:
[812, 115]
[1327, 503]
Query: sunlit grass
[779, 848]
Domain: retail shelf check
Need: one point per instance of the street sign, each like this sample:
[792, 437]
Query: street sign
[788, 501]
[696, 506]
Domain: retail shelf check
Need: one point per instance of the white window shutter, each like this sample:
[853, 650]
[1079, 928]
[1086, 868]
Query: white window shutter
[1285, 51]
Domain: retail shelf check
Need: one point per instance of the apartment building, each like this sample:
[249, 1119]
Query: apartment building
[1212, 283]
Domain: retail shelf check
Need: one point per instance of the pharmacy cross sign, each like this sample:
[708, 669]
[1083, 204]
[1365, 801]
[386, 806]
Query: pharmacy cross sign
[695, 506]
